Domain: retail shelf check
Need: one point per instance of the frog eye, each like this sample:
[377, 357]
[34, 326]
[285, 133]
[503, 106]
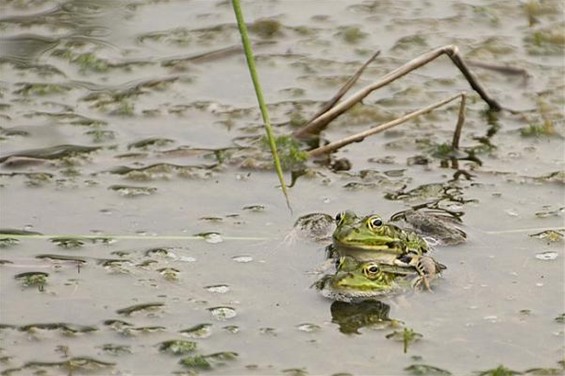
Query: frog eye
[339, 217]
[374, 222]
[371, 270]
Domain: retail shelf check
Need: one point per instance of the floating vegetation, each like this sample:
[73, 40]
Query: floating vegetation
[254, 208]
[84, 364]
[351, 34]
[222, 313]
[61, 258]
[498, 371]
[424, 369]
[218, 289]
[55, 152]
[33, 279]
[539, 130]
[295, 371]
[41, 89]
[170, 274]
[290, 152]
[116, 350]
[63, 327]
[407, 336]
[546, 41]
[139, 307]
[132, 191]
[211, 237]
[150, 142]
[116, 266]
[549, 212]
[560, 319]
[178, 347]
[266, 28]
[552, 236]
[68, 242]
[160, 252]
[163, 171]
[6, 242]
[198, 331]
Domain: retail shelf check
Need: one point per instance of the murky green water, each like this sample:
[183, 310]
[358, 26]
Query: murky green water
[156, 102]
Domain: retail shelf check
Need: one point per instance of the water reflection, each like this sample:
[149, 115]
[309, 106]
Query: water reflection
[353, 316]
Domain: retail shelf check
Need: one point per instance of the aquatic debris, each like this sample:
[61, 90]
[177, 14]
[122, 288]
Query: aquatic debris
[407, 336]
[548, 212]
[178, 347]
[498, 371]
[233, 329]
[164, 171]
[170, 274]
[198, 331]
[139, 307]
[64, 327]
[314, 226]
[424, 369]
[295, 371]
[439, 225]
[218, 289]
[6, 242]
[211, 237]
[55, 152]
[132, 191]
[116, 266]
[222, 313]
[149, 142]
[547, 255]
[160, 252]
[116, 350]
[32, 279]
[12, 231]
[550, 235]
[62, 258]
[68, 242]
[73, 364]
[254, 208]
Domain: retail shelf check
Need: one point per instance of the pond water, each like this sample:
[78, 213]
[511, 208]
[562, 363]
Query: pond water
[134, 123]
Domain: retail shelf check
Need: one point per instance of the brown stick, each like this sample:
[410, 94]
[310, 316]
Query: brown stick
[460, 122]
[383, 127]
[350, 82]
[318, 124]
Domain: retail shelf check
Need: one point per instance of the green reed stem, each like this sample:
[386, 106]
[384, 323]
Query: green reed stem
[259, 92]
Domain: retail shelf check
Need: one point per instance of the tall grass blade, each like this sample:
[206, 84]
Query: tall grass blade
[259, 92]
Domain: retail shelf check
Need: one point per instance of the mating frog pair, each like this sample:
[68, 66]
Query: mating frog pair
[374, 258]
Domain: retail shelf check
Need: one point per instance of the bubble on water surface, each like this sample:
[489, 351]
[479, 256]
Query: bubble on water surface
[308, 328]
[242, 259]
[547, 256]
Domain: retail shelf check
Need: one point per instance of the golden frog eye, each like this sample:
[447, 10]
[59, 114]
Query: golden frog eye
[371, 269]
[374, 222]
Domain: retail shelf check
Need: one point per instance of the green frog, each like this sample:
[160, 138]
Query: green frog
[357, 280]
[365, 237]
[369, 238]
